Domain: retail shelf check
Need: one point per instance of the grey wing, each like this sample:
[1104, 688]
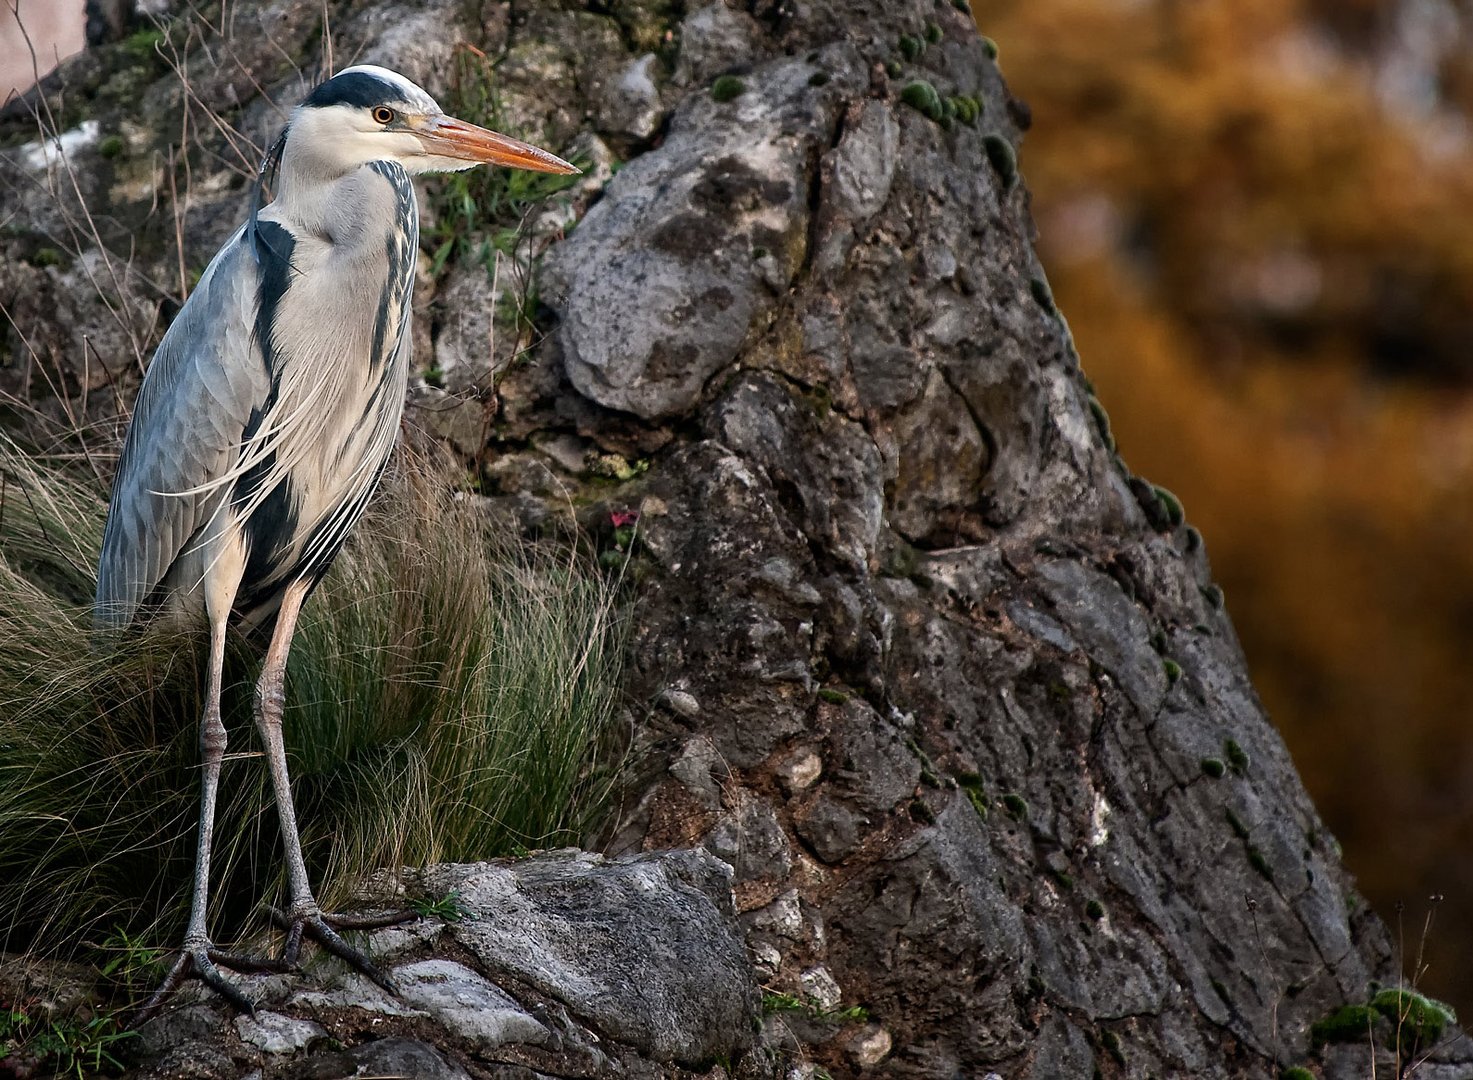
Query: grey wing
[207, 378]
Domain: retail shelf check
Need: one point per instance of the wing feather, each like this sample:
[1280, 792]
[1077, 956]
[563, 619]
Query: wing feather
[207, 376]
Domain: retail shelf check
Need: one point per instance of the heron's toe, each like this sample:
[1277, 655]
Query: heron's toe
[199, 961]
[207, 973]
[320, 928]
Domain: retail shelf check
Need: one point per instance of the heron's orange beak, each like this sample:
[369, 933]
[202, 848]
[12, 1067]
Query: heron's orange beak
[449, 137]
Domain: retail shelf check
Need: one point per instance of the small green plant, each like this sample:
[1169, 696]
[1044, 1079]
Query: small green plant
[518, 308]
[833, 697]
[1214, 768]
[971, 783]
[618, 467]
[1349, 1023]
[1419, 1020]
[911, 47]
[1043, 296]
[144, 43]
[1237, 757]
[1016, 805]
[1095, 910]
[779, 1001]
[132, 963]
[1408, 1021]
[1171, 505]
[1172, 669]
[933, 34]
[727, 88]
[445, 907]
[1102, 421]
[1003, 159]
[921, 96]
[478, 213]
[67, 1047]
[967, 109]
[928, 767]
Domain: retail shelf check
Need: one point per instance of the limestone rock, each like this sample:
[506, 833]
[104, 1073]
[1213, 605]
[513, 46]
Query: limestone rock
[631, 105]
[642, 949]
[273, 1033]
[468, 1005]
[563, 961]
[658, 288]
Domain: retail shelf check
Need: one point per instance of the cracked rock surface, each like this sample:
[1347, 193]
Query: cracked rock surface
[564, 964]
[930, 669]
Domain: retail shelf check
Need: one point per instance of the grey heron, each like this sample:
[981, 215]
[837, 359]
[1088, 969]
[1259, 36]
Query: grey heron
[267, 416]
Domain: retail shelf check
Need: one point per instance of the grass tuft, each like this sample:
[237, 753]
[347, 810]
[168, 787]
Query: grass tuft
[71, 1048]
[446, 908]
[778, 1001]
[451, 696]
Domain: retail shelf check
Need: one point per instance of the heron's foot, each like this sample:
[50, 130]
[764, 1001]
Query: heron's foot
[203, 962]
[323, 929]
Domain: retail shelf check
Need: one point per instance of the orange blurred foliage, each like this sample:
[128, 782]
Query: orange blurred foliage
[1266, 257]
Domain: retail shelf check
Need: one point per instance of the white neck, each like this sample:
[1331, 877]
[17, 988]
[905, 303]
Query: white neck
[331, 198]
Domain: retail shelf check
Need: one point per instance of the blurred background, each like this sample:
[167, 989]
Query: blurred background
[1258, 217]
[34, 36]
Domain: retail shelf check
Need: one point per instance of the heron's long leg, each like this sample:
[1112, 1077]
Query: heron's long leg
[198, 953]
[270, 700]
[304, 914]
[212, 741]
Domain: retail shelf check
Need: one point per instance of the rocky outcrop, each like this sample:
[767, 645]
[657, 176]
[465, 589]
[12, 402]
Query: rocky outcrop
[564, 964]
[949, 688]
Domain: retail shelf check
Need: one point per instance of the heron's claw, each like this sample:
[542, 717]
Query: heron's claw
[203, 962]
[321, 929]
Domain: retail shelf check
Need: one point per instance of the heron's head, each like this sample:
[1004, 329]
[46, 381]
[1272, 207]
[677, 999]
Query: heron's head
[368, 113]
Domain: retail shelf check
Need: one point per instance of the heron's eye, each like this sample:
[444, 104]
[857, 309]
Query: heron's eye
[383, 115]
